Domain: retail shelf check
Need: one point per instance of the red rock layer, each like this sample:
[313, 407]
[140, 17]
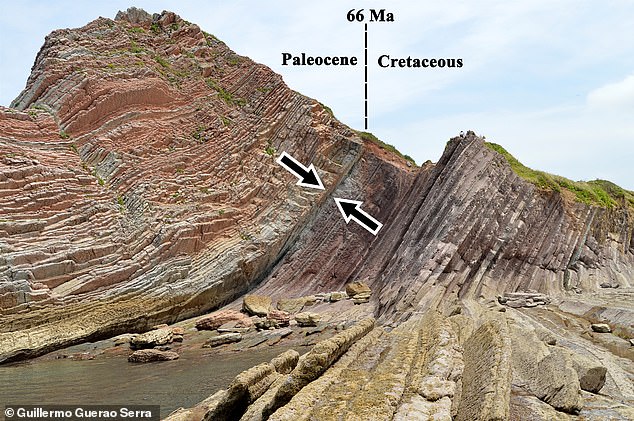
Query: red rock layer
[138, 185]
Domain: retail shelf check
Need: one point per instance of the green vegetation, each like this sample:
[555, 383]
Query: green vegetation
[73, 148]
[100, 181]
[270, 150]
[174, 26]
[136, 30]
[121, 203]
[32, 113]
[221, 212]
[198, 133]
[160, 60]
[329, 111]
[180, 170]
[211, 83]
[246, 236]
[225, 121]
[597, 192]
[367, 136]
[210, 39]
[155, 28]
[225, 95]
[63, 134]
[230, 99]
[135, 49]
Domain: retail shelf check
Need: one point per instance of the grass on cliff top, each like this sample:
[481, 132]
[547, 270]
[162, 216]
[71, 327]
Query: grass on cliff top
[596, 192]
[386, 146]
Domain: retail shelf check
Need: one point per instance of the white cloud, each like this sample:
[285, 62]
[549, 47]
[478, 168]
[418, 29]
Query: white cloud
[619, 95]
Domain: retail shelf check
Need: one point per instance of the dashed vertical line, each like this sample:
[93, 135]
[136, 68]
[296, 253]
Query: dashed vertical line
[366, 76]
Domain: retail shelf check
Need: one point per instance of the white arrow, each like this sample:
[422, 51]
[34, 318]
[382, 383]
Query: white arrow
[308, 177]
[351, 209]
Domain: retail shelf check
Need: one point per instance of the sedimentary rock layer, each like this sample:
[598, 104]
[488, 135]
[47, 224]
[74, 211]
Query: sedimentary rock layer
[138, 185]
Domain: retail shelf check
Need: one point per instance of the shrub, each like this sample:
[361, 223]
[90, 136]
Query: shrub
[162, 61]
[597, 192]
[135, 49]
[367, 136]
[327, 109]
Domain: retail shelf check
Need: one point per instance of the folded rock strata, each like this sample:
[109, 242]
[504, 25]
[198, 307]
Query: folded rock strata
[138, 186]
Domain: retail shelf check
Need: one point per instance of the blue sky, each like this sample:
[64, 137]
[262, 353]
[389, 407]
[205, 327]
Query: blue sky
[552, 81]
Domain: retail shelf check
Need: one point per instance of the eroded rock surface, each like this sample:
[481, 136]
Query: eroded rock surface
[152, 355]
[138, 186]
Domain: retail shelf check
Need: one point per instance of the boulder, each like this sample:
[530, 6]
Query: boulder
[601, 327]
[123, 339]
[515, 302]
[354, 288]
[338, 296]
[149, 355]
[220, 318]
[322, 296]
[178, 331]
[590, 372]
[555, 381]
[152, 338]
[291, 305]
[361, 298]
[229, 327]
[274, 319]
[523, 299]
[309, 300]
[256, 305]
[307, 319]
[222, 339]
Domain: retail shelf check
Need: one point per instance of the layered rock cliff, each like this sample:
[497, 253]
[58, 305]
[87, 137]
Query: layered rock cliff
[138, 186]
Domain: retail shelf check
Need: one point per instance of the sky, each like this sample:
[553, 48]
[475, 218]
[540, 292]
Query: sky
[550, 80]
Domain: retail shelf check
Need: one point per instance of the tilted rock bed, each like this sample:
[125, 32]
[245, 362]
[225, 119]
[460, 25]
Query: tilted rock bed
[458, 367]
[523, 299]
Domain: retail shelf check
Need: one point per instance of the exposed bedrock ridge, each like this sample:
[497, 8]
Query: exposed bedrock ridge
[124, 210]
[468, 227]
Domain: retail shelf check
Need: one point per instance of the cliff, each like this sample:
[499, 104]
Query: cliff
[138, 186]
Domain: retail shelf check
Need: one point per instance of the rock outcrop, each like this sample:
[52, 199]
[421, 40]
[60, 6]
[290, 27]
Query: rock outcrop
[138, 186]
[219, 318]
[152, 355]
[307, 319]
[256, 305]
[152, 338]
[225, 338]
